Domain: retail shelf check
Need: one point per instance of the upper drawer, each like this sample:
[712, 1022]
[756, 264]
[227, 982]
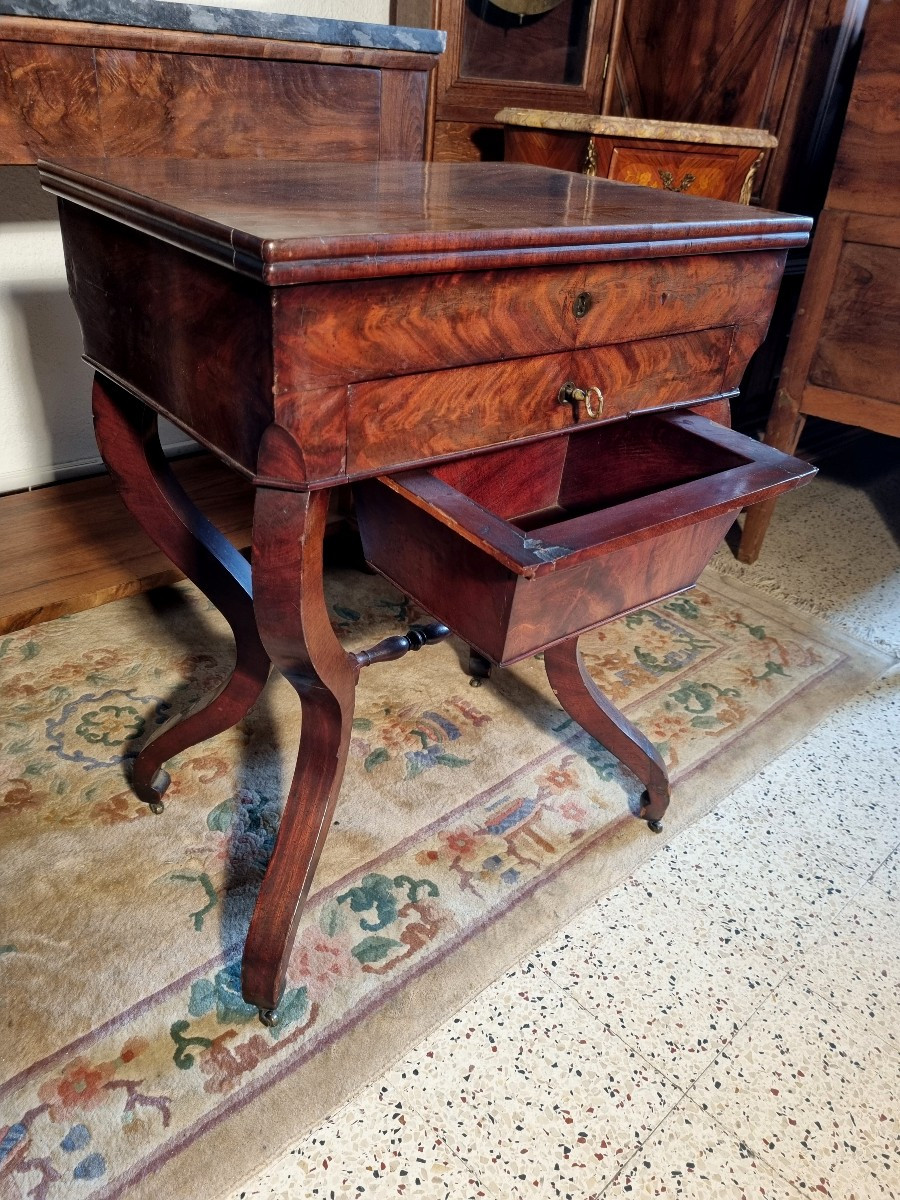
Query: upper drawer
[415, 417]
[330, 334]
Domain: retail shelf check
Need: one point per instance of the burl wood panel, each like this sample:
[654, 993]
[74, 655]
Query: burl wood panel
[866, 177]
[393, 422]
[545, 147]
[600, 590]
[858, 341]
[504, 616]
[170, 106]
[711, 64]
[186, 334]
[716, 172]
[77, 89]
[48, 102]
[404, 97]
[600, 543]
[402, 326]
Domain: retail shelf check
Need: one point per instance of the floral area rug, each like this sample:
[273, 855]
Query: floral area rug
[472, 823]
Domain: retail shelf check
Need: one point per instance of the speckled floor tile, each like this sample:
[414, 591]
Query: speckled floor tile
[692, 1157]
[887, 877]
[833, 548]
[770, 899]
[791, 847]
[675, 986]
[805, 1085]
[374, 1148]
[832, 798]
[536, 1096]
[856, 964]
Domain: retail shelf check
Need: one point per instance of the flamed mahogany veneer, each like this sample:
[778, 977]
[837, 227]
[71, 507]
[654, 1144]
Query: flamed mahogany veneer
[524, 373]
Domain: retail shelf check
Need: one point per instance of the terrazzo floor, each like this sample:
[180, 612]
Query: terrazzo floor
[725, 1024]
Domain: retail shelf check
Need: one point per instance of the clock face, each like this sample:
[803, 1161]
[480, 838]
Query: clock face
[526, 8]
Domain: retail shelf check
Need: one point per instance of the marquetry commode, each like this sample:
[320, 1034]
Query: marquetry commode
[524, 373]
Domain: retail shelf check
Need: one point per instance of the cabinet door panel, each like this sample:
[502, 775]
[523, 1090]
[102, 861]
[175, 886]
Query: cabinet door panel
[857, 348]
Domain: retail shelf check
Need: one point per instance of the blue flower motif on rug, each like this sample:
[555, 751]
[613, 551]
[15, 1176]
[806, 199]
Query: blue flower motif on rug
[101, 731]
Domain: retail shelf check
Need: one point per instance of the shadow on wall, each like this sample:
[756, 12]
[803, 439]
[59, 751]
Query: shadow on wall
[45, 407]
[22, 198]
[48, 350]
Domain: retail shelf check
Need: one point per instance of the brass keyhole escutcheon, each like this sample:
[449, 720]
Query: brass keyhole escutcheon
[581, 307]
[591, 398]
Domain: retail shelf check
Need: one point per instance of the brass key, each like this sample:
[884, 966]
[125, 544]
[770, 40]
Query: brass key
[570, 393]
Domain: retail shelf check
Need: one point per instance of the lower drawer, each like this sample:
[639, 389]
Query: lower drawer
[394, 421]
[527, 546]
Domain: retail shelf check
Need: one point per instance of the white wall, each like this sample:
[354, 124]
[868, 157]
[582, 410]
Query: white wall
[45, 419]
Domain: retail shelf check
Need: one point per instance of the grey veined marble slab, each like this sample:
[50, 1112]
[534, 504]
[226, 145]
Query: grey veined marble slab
[243, 22]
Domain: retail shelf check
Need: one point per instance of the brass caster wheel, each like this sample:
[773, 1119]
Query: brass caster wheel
[153, 792]
[475, 682]
[268, 1016]
[655, 826]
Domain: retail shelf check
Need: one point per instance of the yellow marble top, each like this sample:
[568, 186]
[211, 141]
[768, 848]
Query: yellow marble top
[637, 127]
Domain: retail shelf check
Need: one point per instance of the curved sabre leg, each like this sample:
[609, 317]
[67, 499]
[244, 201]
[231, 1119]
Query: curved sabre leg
[288, 530]
[128, 440]
[586, 704]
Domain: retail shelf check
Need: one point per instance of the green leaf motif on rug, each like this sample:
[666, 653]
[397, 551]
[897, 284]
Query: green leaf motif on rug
[702, 694]
[212, 897]
[605, 764]
[772, 669]
[755, 631]
[373, 949]
[346, 614]
[376, 758]
[222, 994]
[378, 892]
[182, 1057]
[683, 607]
[110, 725]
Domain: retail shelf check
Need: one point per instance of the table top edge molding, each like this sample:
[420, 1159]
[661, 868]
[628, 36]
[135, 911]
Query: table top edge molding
[331, 252]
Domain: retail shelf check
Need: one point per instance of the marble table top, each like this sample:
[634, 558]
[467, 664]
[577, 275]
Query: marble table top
[198, 18]
[637, 127]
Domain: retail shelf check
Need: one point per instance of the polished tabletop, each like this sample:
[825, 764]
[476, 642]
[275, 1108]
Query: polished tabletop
[286, 222]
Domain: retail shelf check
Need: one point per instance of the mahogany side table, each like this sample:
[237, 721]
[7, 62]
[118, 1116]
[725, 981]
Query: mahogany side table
[525, 373]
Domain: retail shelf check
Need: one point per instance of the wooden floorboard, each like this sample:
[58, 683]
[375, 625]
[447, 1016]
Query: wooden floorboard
[73, 546]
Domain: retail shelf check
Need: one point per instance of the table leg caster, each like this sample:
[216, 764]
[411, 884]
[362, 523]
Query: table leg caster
[479, 668]
[152, 793]
[655, 826]
[268, 1016]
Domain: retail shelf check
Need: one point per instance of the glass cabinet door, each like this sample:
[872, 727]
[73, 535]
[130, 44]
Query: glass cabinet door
[530, 41]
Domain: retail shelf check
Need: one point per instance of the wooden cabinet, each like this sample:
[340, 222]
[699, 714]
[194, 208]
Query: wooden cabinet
[843, 361]
[705, 160]
[78, 88]
[494, 57]
[768, 64]
[778, 65]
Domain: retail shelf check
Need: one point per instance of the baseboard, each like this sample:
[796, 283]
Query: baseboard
[31, 477]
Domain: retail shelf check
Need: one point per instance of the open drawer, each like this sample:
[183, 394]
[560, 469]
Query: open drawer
[526, 546]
